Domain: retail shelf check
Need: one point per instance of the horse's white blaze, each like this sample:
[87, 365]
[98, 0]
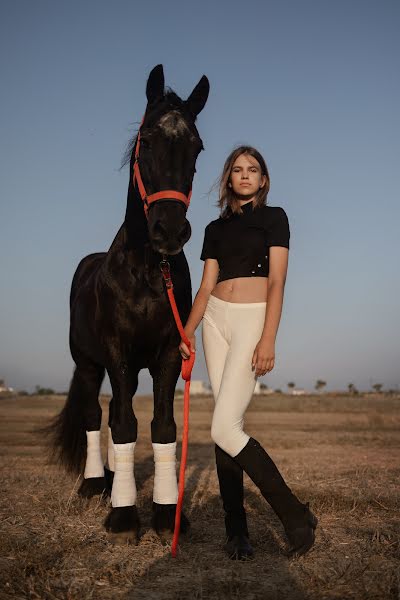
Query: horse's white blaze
[110, 452]
[124, 485]
[165, 482]
[94, 464]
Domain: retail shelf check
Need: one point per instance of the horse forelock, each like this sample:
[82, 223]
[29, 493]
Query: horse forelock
[172, 118]
[173, 124]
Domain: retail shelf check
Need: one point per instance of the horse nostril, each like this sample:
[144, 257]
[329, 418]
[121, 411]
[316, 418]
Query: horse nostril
[159, 230]
[174, 234]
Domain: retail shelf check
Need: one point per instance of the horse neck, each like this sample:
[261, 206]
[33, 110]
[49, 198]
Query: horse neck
[132, 238]
[135, 219]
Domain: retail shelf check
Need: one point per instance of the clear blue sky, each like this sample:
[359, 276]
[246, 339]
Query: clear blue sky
[313, 84]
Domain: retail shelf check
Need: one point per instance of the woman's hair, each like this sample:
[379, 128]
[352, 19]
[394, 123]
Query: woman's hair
[228, 202]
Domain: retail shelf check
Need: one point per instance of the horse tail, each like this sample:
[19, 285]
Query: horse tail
[66, 433]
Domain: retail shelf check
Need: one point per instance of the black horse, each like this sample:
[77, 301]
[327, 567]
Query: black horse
[121, 319]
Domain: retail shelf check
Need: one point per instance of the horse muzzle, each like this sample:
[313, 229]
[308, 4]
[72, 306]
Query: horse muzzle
[167, 236]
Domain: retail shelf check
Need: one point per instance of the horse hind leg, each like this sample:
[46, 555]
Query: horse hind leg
[66, 432]
[94, 483]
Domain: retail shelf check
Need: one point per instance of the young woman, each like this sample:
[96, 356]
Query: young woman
[246, 256]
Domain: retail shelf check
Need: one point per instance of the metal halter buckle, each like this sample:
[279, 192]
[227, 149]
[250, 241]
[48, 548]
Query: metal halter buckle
[166, 272]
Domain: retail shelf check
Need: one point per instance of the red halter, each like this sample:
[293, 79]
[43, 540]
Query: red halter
[164, 195]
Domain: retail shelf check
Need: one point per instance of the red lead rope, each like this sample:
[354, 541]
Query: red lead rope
[187, 366]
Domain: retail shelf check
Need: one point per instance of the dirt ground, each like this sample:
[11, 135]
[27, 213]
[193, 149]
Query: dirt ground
[339, 453]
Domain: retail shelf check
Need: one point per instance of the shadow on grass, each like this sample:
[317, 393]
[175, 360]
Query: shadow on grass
[54, 544]
[201, 569]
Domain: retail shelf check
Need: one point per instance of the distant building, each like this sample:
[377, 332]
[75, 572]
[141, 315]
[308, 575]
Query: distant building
[200, 388]
[262, 390]
[5, 388]
[298, 392]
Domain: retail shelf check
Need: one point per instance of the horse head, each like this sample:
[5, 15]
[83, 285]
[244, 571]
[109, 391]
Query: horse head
[165, 160]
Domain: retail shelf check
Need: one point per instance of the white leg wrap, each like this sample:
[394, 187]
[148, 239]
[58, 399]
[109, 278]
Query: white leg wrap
[94, 464]
[165, 482]
[110, 452]
[124, 485]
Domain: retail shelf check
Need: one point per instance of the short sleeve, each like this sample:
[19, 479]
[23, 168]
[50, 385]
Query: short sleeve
[209, 249]
[278, 230]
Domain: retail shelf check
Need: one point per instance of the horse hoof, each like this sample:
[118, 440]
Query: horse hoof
[166, 536]
[93, 486]
[238, 548]
[123, 538]
[163, 521]
[122, 525]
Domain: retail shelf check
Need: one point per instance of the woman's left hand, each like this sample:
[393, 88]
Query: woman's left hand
[184, 350]
[263, 359]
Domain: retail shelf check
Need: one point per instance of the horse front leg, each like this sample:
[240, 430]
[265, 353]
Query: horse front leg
[163, 435]
[122, 522]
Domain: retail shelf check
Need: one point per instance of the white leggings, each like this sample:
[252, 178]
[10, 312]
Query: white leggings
[230, 334]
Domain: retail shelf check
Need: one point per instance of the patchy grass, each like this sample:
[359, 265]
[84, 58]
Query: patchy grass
[339, 453]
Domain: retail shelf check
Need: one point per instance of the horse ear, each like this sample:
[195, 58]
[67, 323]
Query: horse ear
[198, 97]
[155, 84]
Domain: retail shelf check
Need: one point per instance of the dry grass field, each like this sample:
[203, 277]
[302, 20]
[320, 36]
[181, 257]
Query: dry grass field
[340, 453]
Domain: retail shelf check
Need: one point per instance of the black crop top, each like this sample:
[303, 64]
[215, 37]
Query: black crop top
[241, 242]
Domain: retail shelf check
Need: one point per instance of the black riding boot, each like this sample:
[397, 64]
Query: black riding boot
[298, 521]
[230, 476]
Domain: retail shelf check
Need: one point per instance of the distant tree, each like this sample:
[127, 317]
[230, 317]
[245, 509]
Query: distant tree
[377, 387]
[319, 384]
[22, 393]
[352, 388]
[40, 391]
[291, 385]
[263, 386]
[278, 391]
[1, 382]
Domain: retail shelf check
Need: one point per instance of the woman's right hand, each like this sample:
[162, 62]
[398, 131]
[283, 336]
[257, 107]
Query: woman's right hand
[184, 350]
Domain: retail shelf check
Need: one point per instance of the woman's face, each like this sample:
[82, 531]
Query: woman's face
[246, 177]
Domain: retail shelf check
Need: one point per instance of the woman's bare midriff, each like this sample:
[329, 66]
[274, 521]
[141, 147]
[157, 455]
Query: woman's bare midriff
[242, 289]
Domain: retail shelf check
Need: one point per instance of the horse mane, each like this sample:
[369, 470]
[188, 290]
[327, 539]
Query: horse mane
[170, 101]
